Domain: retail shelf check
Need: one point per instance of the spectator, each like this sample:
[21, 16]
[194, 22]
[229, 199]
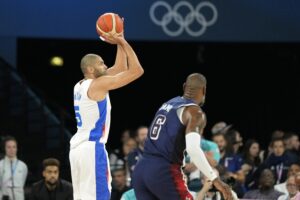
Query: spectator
[292, 189]
[234, 137]
[229, 159]
[279, 161]
[118, 157]
[277, 134]
[136, 154]
[251, 162]
[118, 184]
[293, 170]
[220, 127]
[13, 172]
[291, 143]
[266, 187]
[51, 187]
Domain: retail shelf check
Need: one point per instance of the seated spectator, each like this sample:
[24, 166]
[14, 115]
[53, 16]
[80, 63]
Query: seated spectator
[118, 159]
[251, 161]
[292, 189]
[229, 159]
[136, 154]
[264, 154]
[291, 143]
[266, 187]
[13, 172]
[293, 170]
[236, 140]
[118, 184]
[279, 161]
[51, 187]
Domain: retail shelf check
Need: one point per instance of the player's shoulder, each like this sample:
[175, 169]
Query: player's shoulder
[195, 111]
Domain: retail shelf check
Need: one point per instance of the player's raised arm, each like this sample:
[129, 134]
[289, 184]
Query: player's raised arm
[120, 62]
[194, 120]
[101, 85]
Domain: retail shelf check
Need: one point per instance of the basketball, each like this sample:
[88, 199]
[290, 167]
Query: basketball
[109, 23]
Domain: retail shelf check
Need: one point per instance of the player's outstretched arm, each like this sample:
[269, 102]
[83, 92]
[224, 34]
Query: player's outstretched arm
[100, 86]
[194, 120]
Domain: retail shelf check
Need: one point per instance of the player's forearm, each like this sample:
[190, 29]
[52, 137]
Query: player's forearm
[198, 156]
[121, 59]
[134, 65]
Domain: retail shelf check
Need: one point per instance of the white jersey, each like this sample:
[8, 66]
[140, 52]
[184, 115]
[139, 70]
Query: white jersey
[93, 118]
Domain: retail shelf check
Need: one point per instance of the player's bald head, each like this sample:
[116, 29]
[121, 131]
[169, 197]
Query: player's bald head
[89, 60]
[195, 81]
[195, 87]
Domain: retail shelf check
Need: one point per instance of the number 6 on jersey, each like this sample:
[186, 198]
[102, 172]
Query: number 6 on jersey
[156, 126]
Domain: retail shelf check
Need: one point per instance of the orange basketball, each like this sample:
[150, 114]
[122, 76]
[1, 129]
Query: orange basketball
[109, 23]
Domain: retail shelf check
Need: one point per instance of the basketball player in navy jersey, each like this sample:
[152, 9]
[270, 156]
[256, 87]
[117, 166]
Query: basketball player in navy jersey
[176, 128]
[88, 157]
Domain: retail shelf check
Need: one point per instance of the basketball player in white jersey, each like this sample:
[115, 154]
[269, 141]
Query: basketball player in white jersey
[88, 157]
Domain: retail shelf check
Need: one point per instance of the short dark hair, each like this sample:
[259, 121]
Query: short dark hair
[9, 138]
[51, 162]
[276, 140]
[138, 129]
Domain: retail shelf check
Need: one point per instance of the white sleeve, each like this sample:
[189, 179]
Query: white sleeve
[197, 155]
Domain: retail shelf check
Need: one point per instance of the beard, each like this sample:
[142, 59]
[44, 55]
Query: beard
[51, 183]
[100, 73]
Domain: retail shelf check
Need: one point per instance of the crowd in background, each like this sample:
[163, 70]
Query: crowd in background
[253, 173]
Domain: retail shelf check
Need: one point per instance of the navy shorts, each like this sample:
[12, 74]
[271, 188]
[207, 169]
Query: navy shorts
[156, 179]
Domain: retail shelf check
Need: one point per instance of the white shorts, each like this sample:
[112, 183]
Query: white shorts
[90, 171]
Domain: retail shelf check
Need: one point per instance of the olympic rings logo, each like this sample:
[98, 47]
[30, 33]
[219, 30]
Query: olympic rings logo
[184, 22]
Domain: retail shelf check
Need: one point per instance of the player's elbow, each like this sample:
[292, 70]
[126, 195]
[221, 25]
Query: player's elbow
[141, 72]
[138, 72]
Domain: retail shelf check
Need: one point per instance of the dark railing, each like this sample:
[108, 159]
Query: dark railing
[40, 125]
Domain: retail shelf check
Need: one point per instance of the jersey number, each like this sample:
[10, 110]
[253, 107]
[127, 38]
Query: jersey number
[78, 116]
[156, 126]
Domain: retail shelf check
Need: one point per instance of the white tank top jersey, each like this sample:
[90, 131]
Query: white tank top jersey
[93, 117]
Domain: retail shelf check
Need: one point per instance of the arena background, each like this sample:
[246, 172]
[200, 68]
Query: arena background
[250, 56]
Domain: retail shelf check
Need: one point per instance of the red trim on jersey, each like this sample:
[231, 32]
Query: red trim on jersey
[103, 130]
[179, 182]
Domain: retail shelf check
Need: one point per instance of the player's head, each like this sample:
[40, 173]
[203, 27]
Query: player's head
[92, 66]
[195, 88]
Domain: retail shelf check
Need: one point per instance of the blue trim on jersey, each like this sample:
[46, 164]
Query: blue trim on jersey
[101, 171]
[97, 132]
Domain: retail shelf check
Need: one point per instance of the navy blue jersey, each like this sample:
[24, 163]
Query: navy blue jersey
[166, 136]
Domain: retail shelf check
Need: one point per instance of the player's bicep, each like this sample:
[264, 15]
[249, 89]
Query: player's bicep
[114, 82]
[193, 119]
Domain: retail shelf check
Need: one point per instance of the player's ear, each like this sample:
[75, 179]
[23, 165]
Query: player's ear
[183, 87]
[90, 69]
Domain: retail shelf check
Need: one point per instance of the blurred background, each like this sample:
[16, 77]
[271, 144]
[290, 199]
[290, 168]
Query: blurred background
[249, 52]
